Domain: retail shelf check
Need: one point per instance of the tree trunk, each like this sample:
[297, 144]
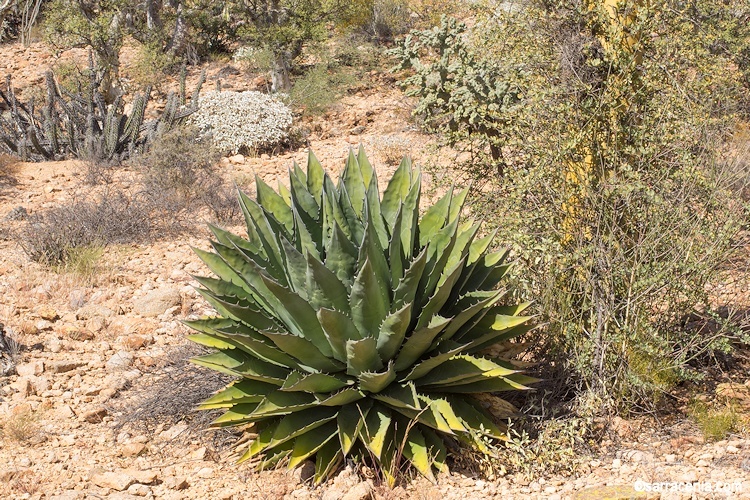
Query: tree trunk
[179, 34]
[153, 15]
[280, 81]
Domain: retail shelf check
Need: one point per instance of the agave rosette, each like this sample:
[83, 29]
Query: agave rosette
[355, 327]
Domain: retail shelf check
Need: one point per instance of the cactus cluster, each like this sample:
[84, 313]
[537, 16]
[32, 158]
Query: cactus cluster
[242, 120]
[83, 124]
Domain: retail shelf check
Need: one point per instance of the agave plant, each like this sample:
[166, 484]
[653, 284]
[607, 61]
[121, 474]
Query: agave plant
[355, 327]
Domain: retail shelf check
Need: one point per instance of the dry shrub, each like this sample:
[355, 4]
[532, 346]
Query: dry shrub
[21, 425]
[180, 173]
[114, 217]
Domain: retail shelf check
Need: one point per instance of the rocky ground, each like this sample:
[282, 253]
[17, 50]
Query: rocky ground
[101, 400]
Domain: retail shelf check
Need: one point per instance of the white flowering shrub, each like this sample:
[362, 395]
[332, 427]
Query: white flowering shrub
[242, 120]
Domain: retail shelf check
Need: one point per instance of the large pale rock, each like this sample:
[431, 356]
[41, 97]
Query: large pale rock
[114, 480]
[94, 310]
[63, 366]
[121, 360]
[31, 368]
[156, 302]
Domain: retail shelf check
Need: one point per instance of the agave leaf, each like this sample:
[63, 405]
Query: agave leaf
[220, 268]
[398, 188]
[324, 288]
[400, 396]
[461, 369]
[392, 332]
[495, 384]
[353, 218]
[279, 403]
[434, 219]
[341, 257]
[285, 194]
[365, 167]
[299, 317]
[368, 304]
[296, 268]
[436, 449]
[315, 176]
[438, 300]
[298, 173]
[334, 198]
[259, 227]
[417, 453]
[265, 434]
[375, 432]
[351, 419]
[464, 236]
[472, 308]
[477, 419]
[338, 328]
[258, 346]
[238, 414]
[222, 288]
[457, 204]
[300, 423]
[273, 203]
[238, 363]
[406, 291]
[491, 322]
[375, 211]
[328, 458]
[209, 325]
[362, 356]
[210, 340]
[229, 239]
[377, 381]
[438, 252]
[419, 342]
[445, 351]
[428, 415]
[445, 409]
[487, 270]
[307, 233]
[307, 444]
[273, 455]
[494, 337]
[372, 249]
[354, 184]
[239, 391]
[396, 255]
[314, 382]
[305, 351]
[409, 223]
[341, 398]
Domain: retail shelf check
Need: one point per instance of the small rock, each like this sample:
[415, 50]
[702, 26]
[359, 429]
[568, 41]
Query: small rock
[96, 324]
[357, 130]
[205, 472]
[305, 471]
[23, 387]
[119, 481]
[156, 302]
[92, 310]
[702, 463]
[75, 333]
[176, 483]
[46, 312]
[142, 476]
[670, 459]
[63, 366]
[237, 159]
[119, 361]
[362, 491]
[730, 449]
[132, 449]
[52, 345]
[30, 369]
[24, 462]
[139, 490]
[94, 416]
[135, 342]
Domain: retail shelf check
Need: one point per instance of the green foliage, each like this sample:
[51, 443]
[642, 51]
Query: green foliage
[616, 194]
[319, 88]
[466, 98]
[355, 328]
[715, 421]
